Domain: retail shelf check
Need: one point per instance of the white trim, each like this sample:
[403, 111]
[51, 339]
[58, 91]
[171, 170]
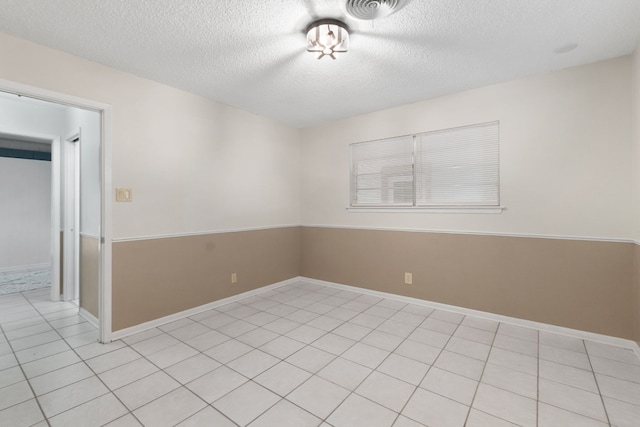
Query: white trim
[424, 209]
[201, 233]
[49, 95]
[71, 217]
[105, 175]
[56, 218]
[196, 310]
[477, 233]
[89, 235]
[26, 268]
[409, 230]
[106, 223]
[89, 317]
[575, 333]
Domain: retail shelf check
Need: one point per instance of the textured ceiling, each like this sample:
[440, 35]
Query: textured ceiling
[251, 54]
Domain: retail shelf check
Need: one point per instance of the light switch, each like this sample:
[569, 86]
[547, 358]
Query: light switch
[124, 195]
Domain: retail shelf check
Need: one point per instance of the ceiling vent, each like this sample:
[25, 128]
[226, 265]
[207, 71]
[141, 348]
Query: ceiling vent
[372, 9]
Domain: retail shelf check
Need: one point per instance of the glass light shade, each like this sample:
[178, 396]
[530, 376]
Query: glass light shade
[327, 37]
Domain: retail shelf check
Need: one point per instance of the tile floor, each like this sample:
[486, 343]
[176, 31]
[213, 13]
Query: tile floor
[307, 355]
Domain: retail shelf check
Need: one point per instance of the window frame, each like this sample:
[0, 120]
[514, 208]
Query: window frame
[353, 206]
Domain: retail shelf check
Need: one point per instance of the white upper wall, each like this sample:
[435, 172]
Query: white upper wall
[193, 165]
[19, 116]
[566, 164]
[88, 123]
[25, 213]
[197, 166]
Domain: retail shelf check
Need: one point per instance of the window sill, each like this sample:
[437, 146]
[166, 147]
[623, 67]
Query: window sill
[413, 209]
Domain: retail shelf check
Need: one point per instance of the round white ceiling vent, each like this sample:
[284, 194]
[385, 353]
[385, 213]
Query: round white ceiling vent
[372, 9]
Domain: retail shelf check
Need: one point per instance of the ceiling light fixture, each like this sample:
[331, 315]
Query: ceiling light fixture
[327, 37]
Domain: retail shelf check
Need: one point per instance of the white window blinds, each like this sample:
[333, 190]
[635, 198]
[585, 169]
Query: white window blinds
[382, 172]
[457, 167]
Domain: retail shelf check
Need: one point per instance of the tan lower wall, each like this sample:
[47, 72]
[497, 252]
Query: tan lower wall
[158, 277]
[585, 285]
[89, 273]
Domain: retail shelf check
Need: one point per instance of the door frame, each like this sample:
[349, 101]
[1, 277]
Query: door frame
[105, 247]
[71, 270]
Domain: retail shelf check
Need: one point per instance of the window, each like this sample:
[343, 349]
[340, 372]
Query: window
[457, 168]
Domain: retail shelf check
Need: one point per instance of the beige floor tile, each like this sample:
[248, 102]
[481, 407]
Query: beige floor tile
[60, 378]
[385, 390]
[481, 419]
[93, 413]
[207, 417]
[622, 414]
[448, 384]
[365, 355]
[282, 378]
[404, 369]
[192, 368]
[14, 394]
[357, 411]
[246, 403]
[508, 379]
[24, 414]
[572, 399]
[318, 396]
[212, 386]
[568, 375]
[253, 363]
[345, 373]
[286, 414]
[143, 391]
[551, 416]
[128, 373]
[506, 405]
[434, 410]
[170, 409]
[68, 397]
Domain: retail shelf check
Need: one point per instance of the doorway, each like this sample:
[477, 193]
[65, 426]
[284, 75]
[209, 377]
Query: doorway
[96, 237]
[30, 189]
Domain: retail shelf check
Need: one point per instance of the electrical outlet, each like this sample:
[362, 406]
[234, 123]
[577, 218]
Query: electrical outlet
[408, 278]
[234, 277]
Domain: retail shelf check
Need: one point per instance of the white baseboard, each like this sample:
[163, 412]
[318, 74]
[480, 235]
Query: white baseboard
[575, 333]
[25, 268]
[89, 317]
[196, 310]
